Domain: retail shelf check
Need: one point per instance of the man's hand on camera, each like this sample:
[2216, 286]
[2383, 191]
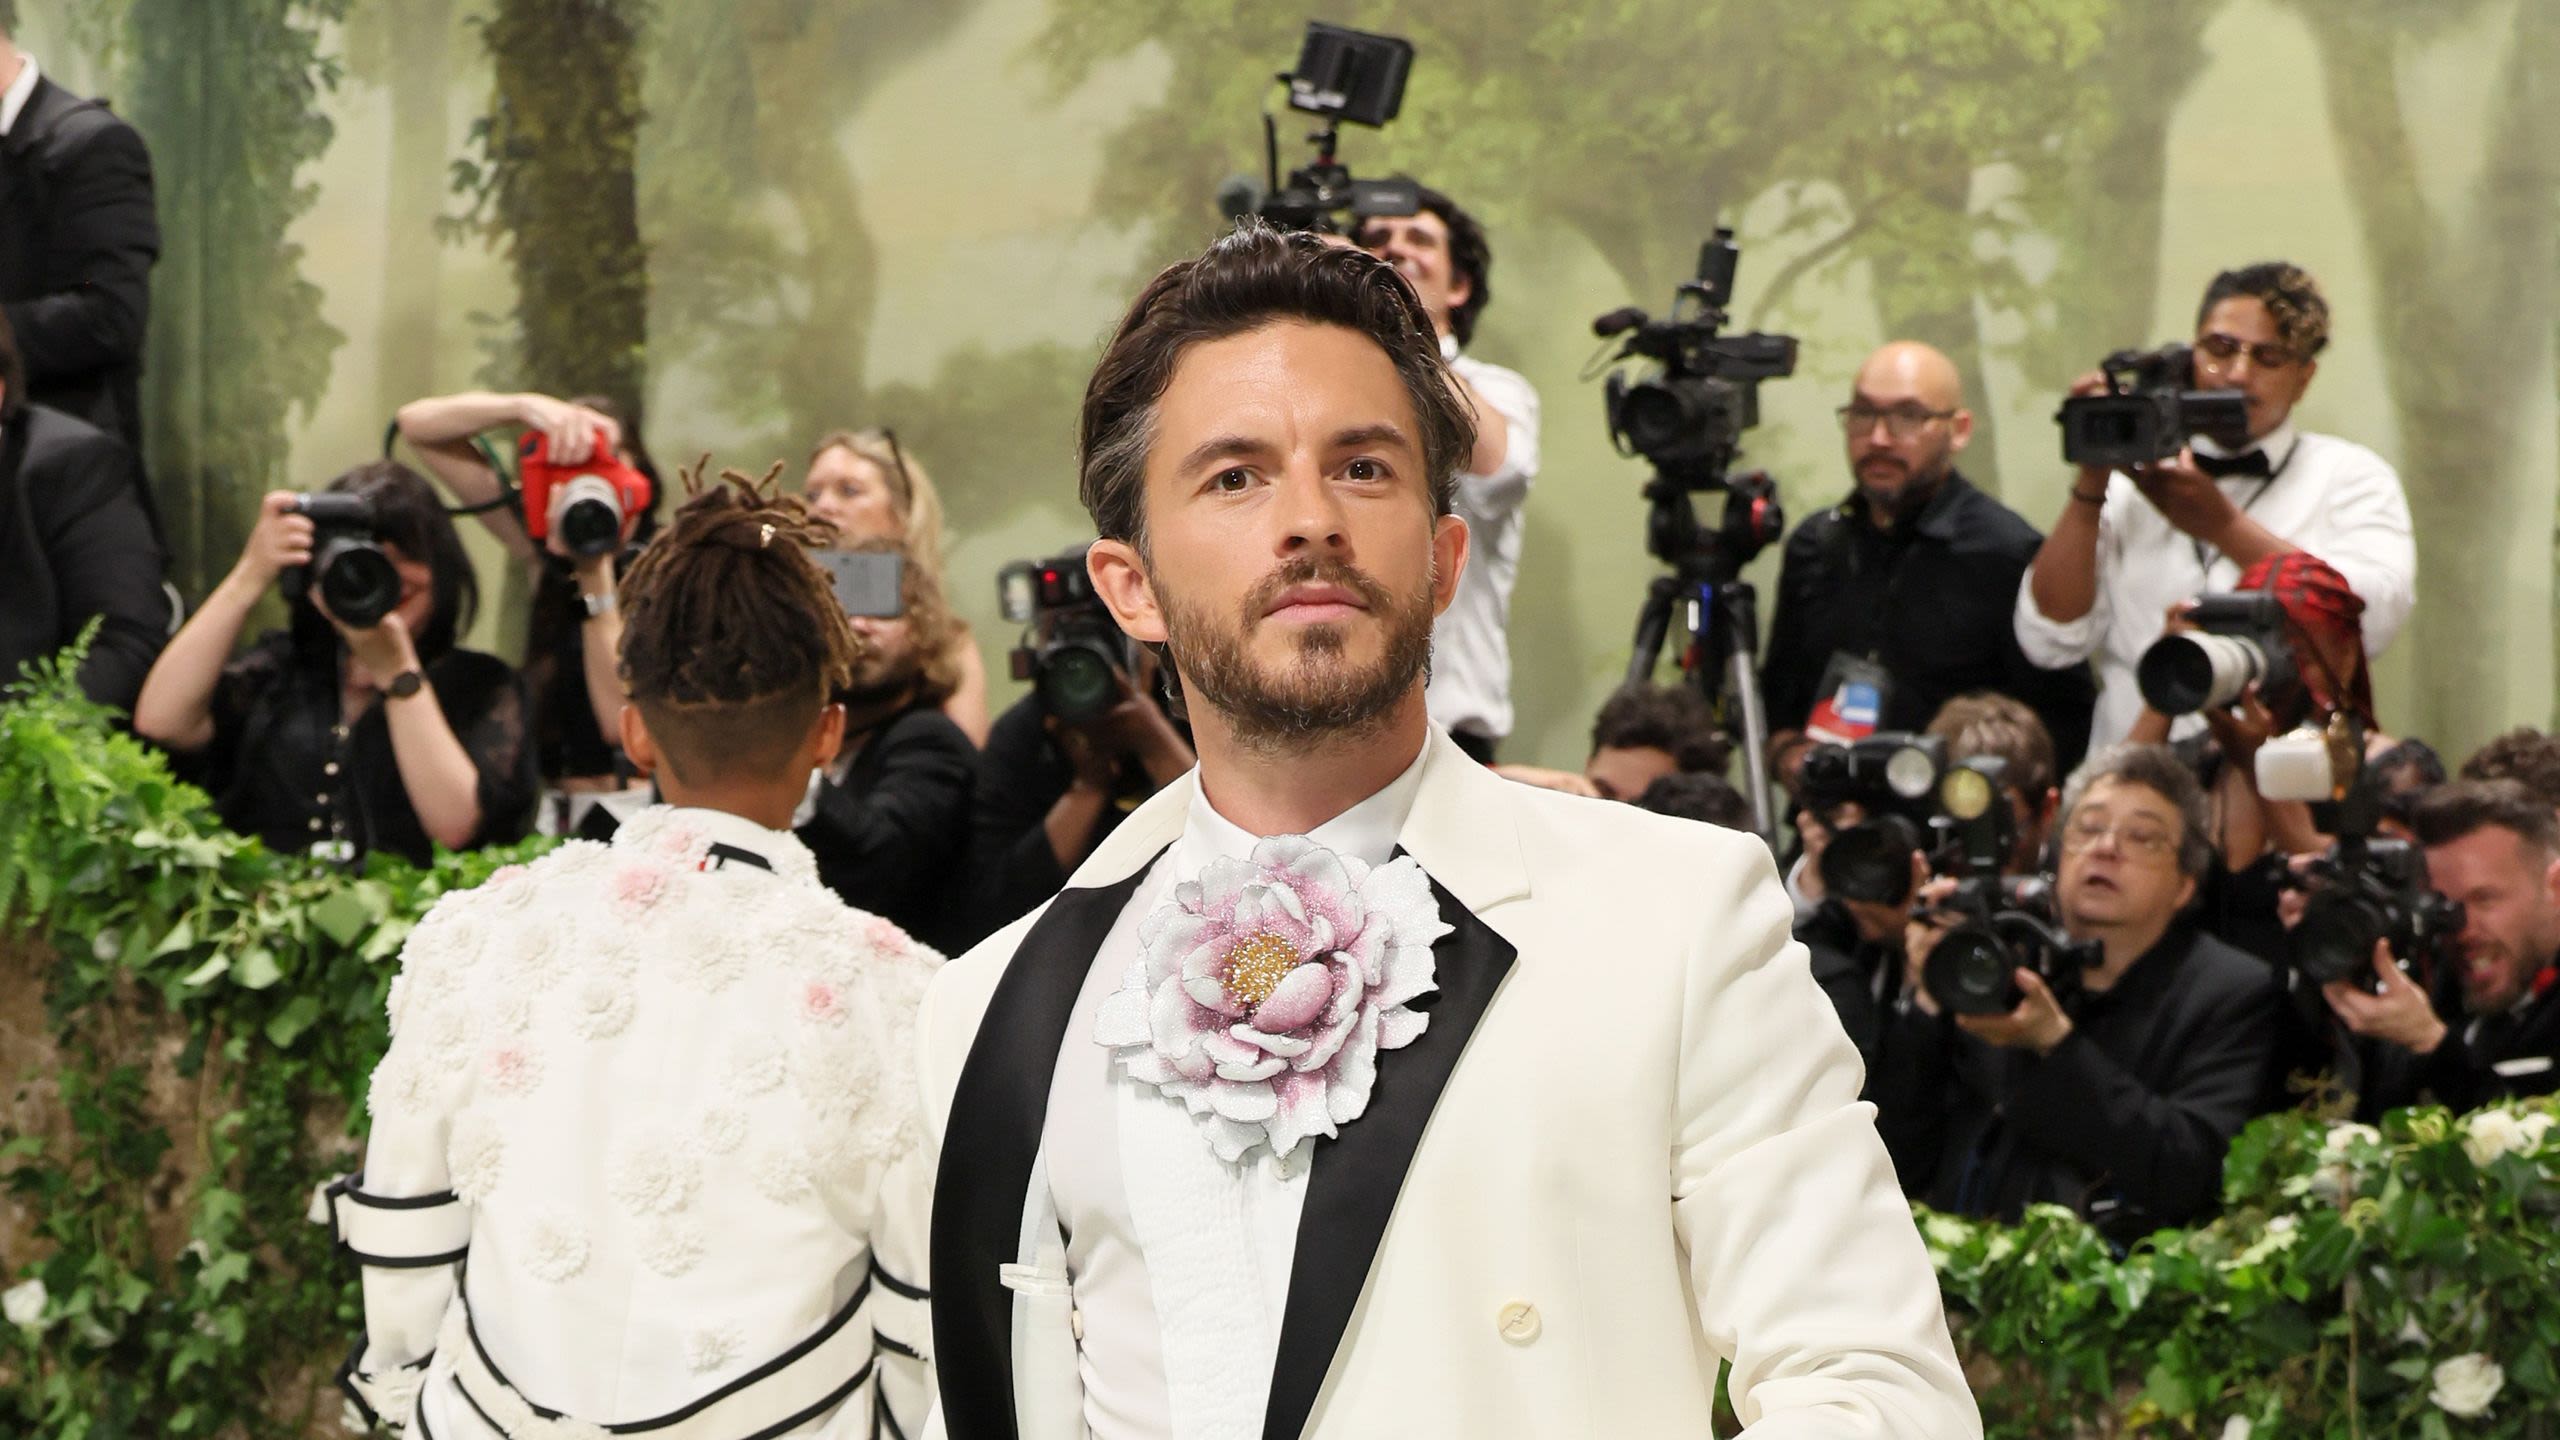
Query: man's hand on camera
[1133, 729]
[2038, 1023]
[572, 432]
[1920, 934]
[2400, 1014]
[279, 541]
[2186, 497]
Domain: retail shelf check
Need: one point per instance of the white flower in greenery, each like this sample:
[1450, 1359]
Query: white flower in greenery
[2237, 1428]
[2410, 1333]
[476, 1156]
[23, 1304]
[601, 1008]
[671, 1246]
[2488, 1134]
[2340, 1137]
[655, 1176]
[711, 1349]
[556, 1250]
[2537, 1126]
[2466, 1384]
[106, 945]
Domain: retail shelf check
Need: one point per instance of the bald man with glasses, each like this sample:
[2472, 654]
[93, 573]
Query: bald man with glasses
[1898, 598]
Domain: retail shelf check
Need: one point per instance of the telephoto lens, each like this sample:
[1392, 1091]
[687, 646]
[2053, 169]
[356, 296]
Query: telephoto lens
[354, 578]
[2182, 674]
[1968, 972]
[1079, 679]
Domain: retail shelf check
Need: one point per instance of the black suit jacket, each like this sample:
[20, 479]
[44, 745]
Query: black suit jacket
[893, 837]
[78, 236]
[75, 543]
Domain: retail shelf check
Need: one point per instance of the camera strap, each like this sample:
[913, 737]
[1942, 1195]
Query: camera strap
[2206, 554]
[510, 494]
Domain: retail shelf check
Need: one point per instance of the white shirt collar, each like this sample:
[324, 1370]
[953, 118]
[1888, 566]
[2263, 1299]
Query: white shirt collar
[20, 89]
[2277, 443]
[1449, 346]
[1367, 830]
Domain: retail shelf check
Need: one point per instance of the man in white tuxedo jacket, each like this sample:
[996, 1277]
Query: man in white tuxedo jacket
[1350, 1090]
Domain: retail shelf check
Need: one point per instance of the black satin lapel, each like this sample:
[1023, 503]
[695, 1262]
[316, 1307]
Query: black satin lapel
[1358, 1173]
[998, 1110]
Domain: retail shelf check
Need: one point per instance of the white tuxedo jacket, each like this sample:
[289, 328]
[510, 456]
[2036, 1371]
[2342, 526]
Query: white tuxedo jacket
[1628, 1146]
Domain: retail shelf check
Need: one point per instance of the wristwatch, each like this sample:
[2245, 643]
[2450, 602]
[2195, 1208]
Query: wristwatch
[596, 604]
[405, 684]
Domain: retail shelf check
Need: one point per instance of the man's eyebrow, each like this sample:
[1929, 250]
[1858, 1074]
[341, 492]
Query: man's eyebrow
[1384, 432]
[1221, 447]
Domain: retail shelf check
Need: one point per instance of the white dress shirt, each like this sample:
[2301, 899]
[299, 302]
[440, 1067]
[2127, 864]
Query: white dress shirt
[1470, 689]
[14, 99]
[1179, 1261]
[2331, 497]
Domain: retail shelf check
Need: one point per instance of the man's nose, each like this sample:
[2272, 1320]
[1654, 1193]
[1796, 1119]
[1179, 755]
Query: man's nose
[1311, 513]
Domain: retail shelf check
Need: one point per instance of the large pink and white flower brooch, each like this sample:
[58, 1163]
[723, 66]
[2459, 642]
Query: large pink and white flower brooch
[1266, 988]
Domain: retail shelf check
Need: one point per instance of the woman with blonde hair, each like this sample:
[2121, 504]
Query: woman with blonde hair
[868, 488]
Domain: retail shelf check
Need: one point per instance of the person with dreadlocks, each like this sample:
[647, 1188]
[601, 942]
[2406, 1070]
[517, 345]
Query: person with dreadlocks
[644, 1148]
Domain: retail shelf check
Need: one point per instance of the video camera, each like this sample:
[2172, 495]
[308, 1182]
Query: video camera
[1915, 803]
[1342, 74]
[1073, 652]
[1686, 415]
[348, 568]
[2149, 411]
[602, 494]
[2239, 640]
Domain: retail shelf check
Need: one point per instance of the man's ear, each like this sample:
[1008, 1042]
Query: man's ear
[1462, 288]
[1120, 578]
[638, 743]
[1450, 545]
[826, 738]
[1959, 430]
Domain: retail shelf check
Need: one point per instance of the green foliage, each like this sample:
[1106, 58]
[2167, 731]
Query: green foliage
[2349, 1265]
[229, 99]
[217, 1009]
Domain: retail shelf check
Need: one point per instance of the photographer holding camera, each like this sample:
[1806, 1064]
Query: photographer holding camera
[2193, 521]
[1898, 598]
[2493, 848]
[363, 727]
[2110, 1073]
[575, 624]
[1441, 252]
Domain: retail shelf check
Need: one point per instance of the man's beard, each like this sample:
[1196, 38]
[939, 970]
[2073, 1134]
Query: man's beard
[1318, 695]
[1920, 485]
[877, 682]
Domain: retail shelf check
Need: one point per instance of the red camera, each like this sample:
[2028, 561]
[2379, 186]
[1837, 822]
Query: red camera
[599, 498]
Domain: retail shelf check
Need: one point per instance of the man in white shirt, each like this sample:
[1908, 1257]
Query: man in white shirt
[1350, 1089]
[2128, 547]
[1441, 252]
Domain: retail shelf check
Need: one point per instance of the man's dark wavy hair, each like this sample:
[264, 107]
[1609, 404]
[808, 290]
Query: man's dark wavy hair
[1246, 280]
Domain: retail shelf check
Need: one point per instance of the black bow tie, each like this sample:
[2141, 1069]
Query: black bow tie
[2247, 462]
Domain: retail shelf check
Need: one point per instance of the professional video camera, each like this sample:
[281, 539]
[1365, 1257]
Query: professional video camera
[1684, 410]
[348, 569]
[1688, 413]
[1073, 652]
[1341, 75]
[2008, 924]
[2239, 640]
[2149, 411]
[602, 494]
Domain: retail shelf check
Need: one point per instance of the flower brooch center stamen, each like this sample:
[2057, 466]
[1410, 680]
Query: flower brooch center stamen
[1256, 967]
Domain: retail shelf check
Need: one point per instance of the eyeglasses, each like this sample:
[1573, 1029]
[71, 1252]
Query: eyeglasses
[1901, 422]
[2219, 350]
[897, 457]
[2145, 838]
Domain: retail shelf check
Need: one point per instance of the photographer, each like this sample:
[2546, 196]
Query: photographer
[570, 644]
[888, 819]
[1999, 727]
[2129, 546]
[869, 488]
[2492, 847]
[343, 739]
[2116, 1089]
[1441, 252]
[2525, 755]
[1897, 599]
[1050, 789]
[1643, 734]
[76, 545]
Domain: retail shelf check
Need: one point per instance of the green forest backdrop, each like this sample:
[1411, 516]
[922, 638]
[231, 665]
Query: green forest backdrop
[770, 218]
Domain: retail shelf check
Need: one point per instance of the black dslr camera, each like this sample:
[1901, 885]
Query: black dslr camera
[1341, 75]
[2149, 411]
[1955, 816]
[348, 569]
[1073, 652]
[1687, 414]
[2365, 891]
[2008, 924]
[2240, 640]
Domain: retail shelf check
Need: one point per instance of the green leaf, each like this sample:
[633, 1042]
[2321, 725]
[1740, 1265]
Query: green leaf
[223, 1271]
[342, 917]
[258, 968]
[289, 1023]
[180, 936]
[208, 972]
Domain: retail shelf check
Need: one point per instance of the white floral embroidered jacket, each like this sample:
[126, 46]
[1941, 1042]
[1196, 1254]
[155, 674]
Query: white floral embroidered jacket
[661, 1092]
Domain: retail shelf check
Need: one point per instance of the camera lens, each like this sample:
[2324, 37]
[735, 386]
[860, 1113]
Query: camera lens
[356, 581]
[1077, 681]
[590, 516]
[2335, 938]
[1968, 972]
[2182, 674]
[1871, 862]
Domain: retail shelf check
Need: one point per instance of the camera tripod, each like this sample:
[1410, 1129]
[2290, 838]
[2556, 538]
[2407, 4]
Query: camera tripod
[1720, 656]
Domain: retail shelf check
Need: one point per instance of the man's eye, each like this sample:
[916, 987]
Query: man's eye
[1230, 481]
[1365, 469]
